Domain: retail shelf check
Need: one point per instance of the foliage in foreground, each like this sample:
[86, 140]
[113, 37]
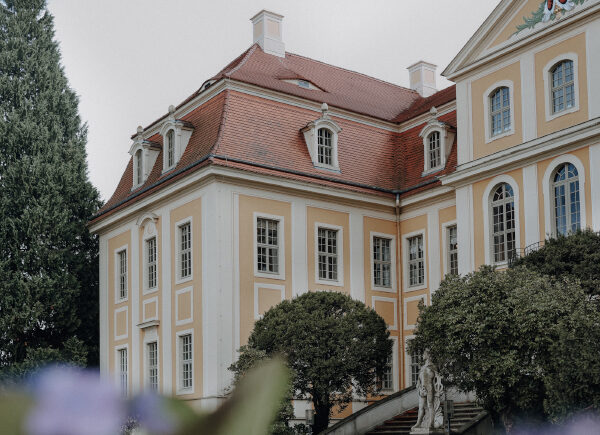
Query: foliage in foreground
[527, 345]
[48, 258]
[576, 256]
[333, 344]
[71, 401]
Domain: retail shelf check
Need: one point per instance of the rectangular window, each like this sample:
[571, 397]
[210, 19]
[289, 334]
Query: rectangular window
[416, 263]
[151, 262]
[382, 262]
[123, 371]
[452, 250]
[185, 252]
[153, 365]
[122, 256]
[325, 147]
[267, 245]
[186, 361]
[416, 360]
[328, 254]
[387, 381]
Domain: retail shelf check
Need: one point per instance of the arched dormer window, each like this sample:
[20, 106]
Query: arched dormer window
[176, 135]
[144, 153]
[321, 137]
[438, 138]
[139, 167]
[566, 200]
[170, 149]
[500, 118]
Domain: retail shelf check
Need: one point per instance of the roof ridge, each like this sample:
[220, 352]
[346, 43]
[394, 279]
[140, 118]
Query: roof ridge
[245, 56]
[353, 72]
[213, 149]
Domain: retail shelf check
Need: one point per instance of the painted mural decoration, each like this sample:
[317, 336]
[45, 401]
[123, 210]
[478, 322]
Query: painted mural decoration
[549, 10]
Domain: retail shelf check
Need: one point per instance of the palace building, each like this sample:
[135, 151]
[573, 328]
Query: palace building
[282, 175]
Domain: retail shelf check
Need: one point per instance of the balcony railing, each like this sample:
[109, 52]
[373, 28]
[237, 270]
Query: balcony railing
[521, 252]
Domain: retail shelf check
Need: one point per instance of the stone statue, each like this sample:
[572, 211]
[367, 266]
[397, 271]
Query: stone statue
[430, 389]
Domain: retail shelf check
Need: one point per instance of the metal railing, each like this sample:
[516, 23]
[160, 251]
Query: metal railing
[522, 252]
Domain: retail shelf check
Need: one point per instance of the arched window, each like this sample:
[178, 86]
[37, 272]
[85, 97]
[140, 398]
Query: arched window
[500, 111]
[503, 222]
[325, 147]
[567, 207]
[138, 168]
[563, 86]
[170, 148]
[434, 150]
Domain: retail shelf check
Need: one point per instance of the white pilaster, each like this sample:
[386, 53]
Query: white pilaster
[357, 268]
[135, 309]
[463, 120]
[464, 225]
[166, 321]
[433, 248]
[593, 68]
[528, 97]
[210, 292]
[595, 184]
[298, 248]
[530, 201]
[103, 300]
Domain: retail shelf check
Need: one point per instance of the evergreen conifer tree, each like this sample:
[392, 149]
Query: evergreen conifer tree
[48, 259]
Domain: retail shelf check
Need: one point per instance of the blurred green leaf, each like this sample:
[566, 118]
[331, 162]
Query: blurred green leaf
[252, 406]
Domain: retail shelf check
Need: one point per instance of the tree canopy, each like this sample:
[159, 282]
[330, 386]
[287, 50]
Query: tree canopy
[333, 344]
[575, 256]
[526, 344]
[48, 258]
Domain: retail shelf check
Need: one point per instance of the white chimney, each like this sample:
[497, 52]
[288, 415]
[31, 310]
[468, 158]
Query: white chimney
[267, 31]
[422, 78]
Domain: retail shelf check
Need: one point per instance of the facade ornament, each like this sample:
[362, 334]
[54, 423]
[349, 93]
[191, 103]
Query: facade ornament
[433, 112]
[325, 110]
[430, 389]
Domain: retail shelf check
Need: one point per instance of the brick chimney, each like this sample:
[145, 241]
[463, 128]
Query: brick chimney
[267, 31]
[422, 78]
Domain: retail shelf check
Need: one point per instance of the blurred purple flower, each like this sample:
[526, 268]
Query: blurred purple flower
[152, 413]
[71, 401]
[581, 424]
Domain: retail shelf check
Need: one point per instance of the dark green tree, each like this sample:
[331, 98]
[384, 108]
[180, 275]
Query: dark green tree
[575, 256]
[48, 258]
[333, 344]
[526, 344]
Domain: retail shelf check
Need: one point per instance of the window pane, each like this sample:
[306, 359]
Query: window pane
[185, 239]
[327, 254]
[267, 237]
[152, 366]
[186, 361]
[382, 262]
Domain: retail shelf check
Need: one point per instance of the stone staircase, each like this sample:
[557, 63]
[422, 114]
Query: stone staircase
[464, 414]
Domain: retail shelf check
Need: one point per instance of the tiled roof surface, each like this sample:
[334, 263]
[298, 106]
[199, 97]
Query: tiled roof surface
[259, 135]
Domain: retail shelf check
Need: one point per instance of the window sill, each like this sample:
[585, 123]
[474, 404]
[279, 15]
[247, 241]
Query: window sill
[329, 282]
[335, 169]
[148, 291]
[184, 280]
[499, 136]
[553, 116]
[383, 289]
[415, 288]
[433, 170]
[267, 275]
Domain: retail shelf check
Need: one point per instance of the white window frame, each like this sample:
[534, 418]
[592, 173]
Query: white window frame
[178, 321]
[281, 246]
[178, 278]
[146, 302]
[166, 166]
[405, 268]
[487, 110]
[394, 286]
[423, 297]
[395, 378]
[573, 57]
[178, 359]
[151, 336]
[549, 194]
[117, 273]
[394, 301]
[117, 311]
[486, 207]
[311, 137]
[118, 372]
[445, 248]
[136, 167]
[340, 256]
[408, 362]
[146, 281]
[257, 287]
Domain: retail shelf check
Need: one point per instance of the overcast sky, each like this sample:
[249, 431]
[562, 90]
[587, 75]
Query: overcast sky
[128, 60]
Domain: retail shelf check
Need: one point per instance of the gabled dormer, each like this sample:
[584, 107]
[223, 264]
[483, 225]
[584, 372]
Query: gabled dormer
[176, 135]
[438, 138]
[321, 137]
[144, 153]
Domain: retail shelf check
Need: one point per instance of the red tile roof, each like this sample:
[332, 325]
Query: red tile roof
[263, 136]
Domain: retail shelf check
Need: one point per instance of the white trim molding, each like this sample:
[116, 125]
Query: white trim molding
[595, 185]
[149, 233]
[340, 254]
[178, 225]
[405, 251]
[487, 114]
[394, 301]
[178, 321]
[393, 281]
[117, 271]
[257, 287]
[280, 246]
[445, 250]
[422, 297]
[117, 373]
[486, 206]
[115, 315]
[146, 302]
[151, 336]
[311, 133]
[179, 391]
[549, 195]
[446, 141]
[573, 57]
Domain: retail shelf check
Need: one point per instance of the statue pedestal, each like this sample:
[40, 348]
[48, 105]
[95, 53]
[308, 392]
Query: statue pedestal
[425, 431]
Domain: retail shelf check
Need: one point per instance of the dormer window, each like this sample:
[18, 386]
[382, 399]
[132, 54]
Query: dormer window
[325, 149]
[438, 138]
[144, 153]
[176, 135]
[139, 170]
[304, 84]
[321, 138]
